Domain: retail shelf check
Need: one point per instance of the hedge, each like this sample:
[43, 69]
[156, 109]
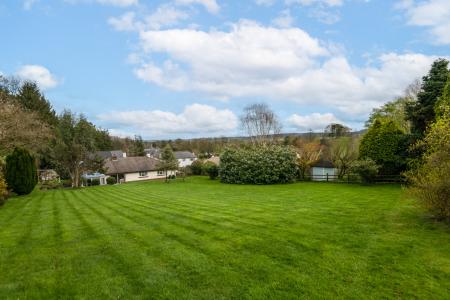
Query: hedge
[211, 169]
[258, 165]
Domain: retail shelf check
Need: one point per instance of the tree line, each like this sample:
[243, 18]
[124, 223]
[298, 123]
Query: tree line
[64, 142]
[407, 136]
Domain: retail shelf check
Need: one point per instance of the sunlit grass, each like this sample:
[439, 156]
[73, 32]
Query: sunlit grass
[201, 239]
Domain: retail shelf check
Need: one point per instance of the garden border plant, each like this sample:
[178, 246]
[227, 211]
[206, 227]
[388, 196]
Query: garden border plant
[258, 165]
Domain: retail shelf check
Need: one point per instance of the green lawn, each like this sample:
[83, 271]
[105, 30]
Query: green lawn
[201, 239]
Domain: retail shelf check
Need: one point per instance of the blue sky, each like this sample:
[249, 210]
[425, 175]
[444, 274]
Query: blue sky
[187, 68]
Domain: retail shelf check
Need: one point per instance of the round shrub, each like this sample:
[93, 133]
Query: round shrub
[258, 165]
[50, 185]
[211, 169]
[95, 181]
[111, 180]
[387, 146]
[367, 169]
[21, 173]
[197, 167]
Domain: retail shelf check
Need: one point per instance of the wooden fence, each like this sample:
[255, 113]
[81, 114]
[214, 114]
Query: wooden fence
[354, 178]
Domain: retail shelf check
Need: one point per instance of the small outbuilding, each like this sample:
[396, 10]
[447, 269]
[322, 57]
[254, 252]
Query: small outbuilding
[323, 170]
[185, 158]
[88, 177]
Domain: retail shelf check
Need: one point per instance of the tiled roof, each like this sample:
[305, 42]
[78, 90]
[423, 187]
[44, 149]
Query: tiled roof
[131, 165]
[184, 154]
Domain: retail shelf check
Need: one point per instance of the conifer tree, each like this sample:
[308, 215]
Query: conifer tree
[168, 160]
[21, 173]
[422, 112]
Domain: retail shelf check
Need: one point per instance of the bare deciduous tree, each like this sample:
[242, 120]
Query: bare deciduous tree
[19, 128]
[260, 123]
[413, 89]
[307, 154]
[343, 152]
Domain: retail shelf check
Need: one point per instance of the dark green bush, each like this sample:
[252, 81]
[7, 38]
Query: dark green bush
[111, 180]
[258, 165]
[367, 169]
[211, 169]
[186, 171]
[387, 145]
[21, 173]
[197, 167]
[50, 185]
[95, 181]
[67, 183]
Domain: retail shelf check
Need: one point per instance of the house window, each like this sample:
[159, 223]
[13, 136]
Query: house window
[160, 173]
[142, 174]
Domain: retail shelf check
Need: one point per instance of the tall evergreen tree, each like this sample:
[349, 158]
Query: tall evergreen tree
[387, 145]
[422, 113]
[31, 98]
[444, 101]
[168, 160]
[103, 140]
[138, 146]
[21, 173]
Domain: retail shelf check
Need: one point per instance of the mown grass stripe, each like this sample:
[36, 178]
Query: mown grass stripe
[197, 240]
[132, 238]
[191, 242]
[18, 212]
[289, 234]
[210, 214]
[62, 289]
[211, 234]
[121, 264]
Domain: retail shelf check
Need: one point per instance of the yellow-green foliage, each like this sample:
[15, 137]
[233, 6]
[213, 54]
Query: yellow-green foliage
[3, 189]
[431, 182]
[443, 103]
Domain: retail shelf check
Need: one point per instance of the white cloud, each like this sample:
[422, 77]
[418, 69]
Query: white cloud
[119, 2]
[122, 3]
[433, 14]
[164, 16]
[314, 121]
[325, 16]
[284, 19]
[265, 2]
[251, 60]
[28, 4]
[196, 119]
[210, 5]
[39, 74]
[126, 22]
[316, 2]
[324, 11]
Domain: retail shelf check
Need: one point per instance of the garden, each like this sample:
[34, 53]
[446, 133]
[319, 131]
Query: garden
[203, 239]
